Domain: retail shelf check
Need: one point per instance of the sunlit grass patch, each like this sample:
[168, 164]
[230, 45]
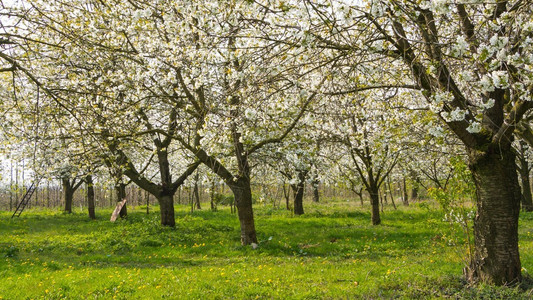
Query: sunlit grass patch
[331, 252]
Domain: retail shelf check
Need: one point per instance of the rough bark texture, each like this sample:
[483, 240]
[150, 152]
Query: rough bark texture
[212, 196]
[243, 200]
[298, 191]
[120, 190]
[298, 199]
[166, 204]
[68, 194]
[496, 258]
[90, 197]
[414, 193]
[374, 200]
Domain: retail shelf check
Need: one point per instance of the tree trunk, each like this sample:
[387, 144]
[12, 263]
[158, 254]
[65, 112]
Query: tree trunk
[298, 191]
[90, 196]
[405, 197]
[243, 200]
[374, 200]
[496, 258]
[298, 199]
[68, 194]
[414, 193]
[196, 192]
[147, 199]
[212, 193]
[166, 203]
[120, 190]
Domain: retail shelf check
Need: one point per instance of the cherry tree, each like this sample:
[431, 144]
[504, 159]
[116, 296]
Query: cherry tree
[471, 62]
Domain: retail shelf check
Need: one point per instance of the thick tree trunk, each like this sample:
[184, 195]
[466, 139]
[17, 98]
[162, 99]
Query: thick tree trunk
[243, 200]
[414, 193]
[298, 191]
[120, 191]
[374, 201]
[68, 194]
[166, 204]
[90, 197]
[496, 258]
[298, 199]
[298, 195]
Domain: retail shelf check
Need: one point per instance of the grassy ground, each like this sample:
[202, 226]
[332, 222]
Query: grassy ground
[331, 252]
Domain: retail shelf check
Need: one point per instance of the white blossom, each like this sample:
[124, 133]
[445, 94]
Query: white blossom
[474, 127]
[500, 79]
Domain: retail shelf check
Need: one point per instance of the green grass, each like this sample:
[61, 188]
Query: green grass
[331, 252]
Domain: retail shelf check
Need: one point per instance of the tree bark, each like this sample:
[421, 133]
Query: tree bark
[196, 192]
[243, 200]
[120, 191]
[414, 193]
[496, 257]
[68, 194]
[374, 201]
[90, 196]
[212, 194]
[166, 204]
[147, 199]
[298, 192]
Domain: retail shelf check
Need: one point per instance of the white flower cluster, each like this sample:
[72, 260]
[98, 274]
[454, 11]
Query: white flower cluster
[488, 105]
[377, 9]
[460, 47]
[496, 79]
[435, 130]
[437, 6]
[500, 79]
[440, 97]
[474, 127]
[455, 115]
[142, 14]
